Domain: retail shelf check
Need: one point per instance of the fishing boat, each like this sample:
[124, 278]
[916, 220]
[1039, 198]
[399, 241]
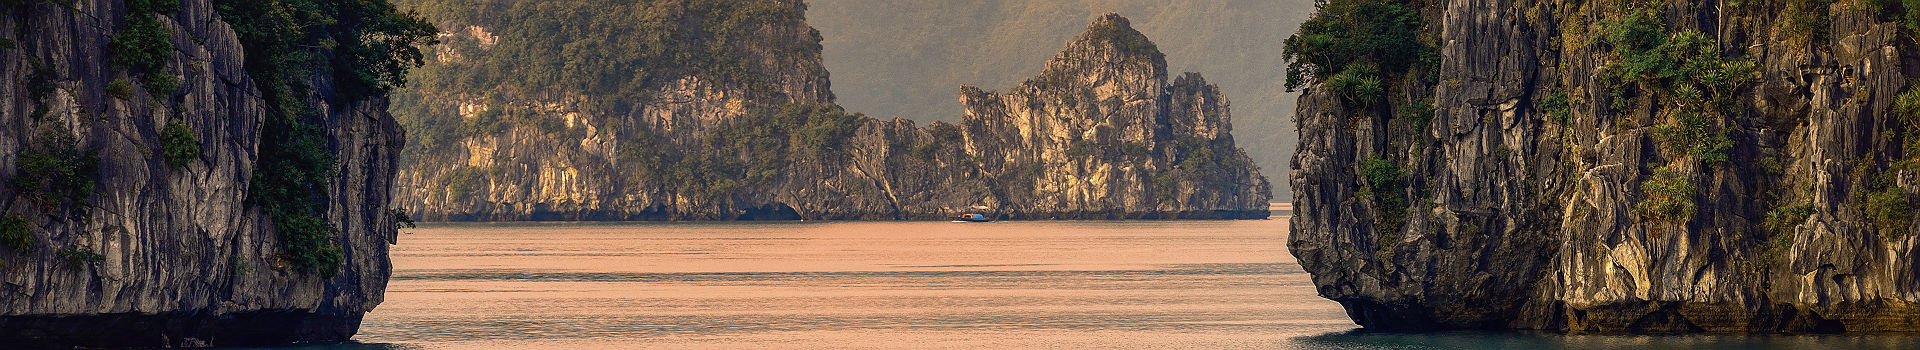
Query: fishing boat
[972, 218]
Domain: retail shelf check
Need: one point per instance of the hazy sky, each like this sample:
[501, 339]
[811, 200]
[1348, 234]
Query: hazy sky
[892, 58]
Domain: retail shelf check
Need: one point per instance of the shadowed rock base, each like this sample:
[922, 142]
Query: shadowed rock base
[253, 328]
[1657, 318]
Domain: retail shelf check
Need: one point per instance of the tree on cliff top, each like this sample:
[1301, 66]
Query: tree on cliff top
[613, 53]
[1117, 30]
[1350, 44]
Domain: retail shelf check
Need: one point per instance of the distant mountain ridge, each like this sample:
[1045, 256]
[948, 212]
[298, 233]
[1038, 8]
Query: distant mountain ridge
[738, 124]
[895, 58]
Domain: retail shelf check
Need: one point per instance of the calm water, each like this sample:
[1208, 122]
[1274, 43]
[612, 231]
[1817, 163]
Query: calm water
[1140, 284]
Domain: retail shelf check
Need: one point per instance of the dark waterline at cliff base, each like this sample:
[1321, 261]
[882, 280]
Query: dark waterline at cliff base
[1105, 284]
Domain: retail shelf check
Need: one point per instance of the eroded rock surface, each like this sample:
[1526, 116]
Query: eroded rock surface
[182, 258]
[1514, 220]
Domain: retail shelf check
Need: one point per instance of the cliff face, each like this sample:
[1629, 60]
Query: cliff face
[1100, 134]
[122, 248]
[1106, 136]
[1551, 191]
[895, 60]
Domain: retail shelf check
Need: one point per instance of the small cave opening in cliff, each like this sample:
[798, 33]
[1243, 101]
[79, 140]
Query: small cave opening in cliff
[775, 211]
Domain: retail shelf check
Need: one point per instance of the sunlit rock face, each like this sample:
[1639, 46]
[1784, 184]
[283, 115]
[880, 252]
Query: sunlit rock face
[1109, 136]
[1101, 133]
[1516, 220]
[160, 255]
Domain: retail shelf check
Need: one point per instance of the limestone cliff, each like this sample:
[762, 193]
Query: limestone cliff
[125, 208]
[894, 60]
[1101, 133]
[1624, 166]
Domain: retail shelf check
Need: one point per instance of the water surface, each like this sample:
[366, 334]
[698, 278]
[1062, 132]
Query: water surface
[1210, 284]
[1050, 284]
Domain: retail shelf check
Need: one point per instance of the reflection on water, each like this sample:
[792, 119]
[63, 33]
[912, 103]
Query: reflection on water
[1136, 284]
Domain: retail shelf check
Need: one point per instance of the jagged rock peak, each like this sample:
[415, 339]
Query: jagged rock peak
[1110, 45]
[1116, 34]
[1110, 57]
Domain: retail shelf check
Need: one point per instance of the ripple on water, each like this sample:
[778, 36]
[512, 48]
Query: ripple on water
[1097, 284]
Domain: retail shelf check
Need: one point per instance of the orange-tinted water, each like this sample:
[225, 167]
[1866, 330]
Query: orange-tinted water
[1155, 284]
[918, 285]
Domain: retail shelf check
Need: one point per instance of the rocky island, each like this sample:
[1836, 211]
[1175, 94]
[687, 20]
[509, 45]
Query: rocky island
[1611, 166]
[194, 172]
[742, 126]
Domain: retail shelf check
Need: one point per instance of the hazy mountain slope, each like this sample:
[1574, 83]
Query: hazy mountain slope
[906, 58]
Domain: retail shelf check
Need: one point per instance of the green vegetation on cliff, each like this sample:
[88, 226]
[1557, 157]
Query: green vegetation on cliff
[178, 145]
[1666, 197]
[1557, 106]
[15, 233]
[1388, 192]
[1890, 212]
[39, 85]
[119, 89]
[462, 182]
[80, 257]
[1781, 221]
[1356, 47]
[1197, 163]
[612, 55]
[368, 47]
[144, 44]
[1684, 72]
[750, 153]
[1885, 202]
[1906, 110]
[1693, 87]
[753, 152]
[56, 171]
[571, 45]
[1370, 54]
[944, 135]
[1803, 21]
[1911, 16]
